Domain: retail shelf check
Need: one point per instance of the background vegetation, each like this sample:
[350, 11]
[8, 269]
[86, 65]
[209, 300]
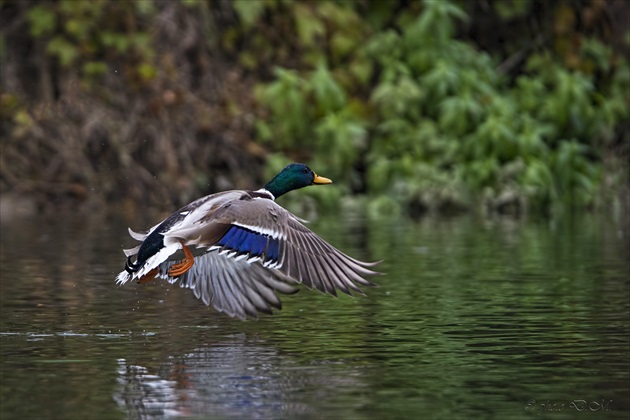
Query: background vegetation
[501, 106]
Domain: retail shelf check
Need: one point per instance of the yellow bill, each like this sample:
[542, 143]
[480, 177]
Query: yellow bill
[321, 180]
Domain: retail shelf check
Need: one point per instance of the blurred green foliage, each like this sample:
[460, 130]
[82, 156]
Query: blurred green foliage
[420, 106]
[442, 127]
[79, 30]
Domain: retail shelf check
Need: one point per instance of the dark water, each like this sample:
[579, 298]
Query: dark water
[474, 319]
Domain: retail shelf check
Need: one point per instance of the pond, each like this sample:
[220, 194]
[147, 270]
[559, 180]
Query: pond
[475, 318]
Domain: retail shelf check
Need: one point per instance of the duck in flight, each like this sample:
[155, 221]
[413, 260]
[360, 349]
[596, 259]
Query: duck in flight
[236, 249]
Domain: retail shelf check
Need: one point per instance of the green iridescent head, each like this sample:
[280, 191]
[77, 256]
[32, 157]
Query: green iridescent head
[292, 177]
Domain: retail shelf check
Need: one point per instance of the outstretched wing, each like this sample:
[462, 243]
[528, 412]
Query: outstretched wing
[263, 231]
[236, 287]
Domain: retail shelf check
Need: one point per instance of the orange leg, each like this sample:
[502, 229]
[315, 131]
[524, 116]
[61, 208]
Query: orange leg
[149, 276]
[188, 261]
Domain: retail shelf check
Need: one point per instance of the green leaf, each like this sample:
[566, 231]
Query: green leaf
[64, 50]
[309, 25]
[95, 68]
[328, 94]
[42, 20]
[147, 71]
[249, 11]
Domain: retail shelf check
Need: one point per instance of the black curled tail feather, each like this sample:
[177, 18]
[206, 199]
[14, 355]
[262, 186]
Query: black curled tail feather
[130, 267]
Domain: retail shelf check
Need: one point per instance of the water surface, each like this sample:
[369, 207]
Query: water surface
[474, 319]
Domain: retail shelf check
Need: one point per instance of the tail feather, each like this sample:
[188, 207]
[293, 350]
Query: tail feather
[131, 251]
[135, 272]
[123, 277]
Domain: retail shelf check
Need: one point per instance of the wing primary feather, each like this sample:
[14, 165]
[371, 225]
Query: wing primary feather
[313, 266]
[341, 282]
[299, 251]
[231, 295]
[218, 300]
[323, 283]
[342, 276]
[288, 262]
[265, 292]
[238, 287]
[312, 243]
[354, 276]
[301, 269]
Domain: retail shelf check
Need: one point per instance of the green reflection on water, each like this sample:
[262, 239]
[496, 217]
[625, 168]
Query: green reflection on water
[473, 319]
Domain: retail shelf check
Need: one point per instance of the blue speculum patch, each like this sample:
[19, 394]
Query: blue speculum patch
[245, 241]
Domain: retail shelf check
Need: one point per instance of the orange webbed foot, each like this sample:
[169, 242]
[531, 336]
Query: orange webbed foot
[178, 269]
[149, 276]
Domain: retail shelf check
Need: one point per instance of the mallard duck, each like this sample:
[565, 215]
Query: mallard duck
[235, 249]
